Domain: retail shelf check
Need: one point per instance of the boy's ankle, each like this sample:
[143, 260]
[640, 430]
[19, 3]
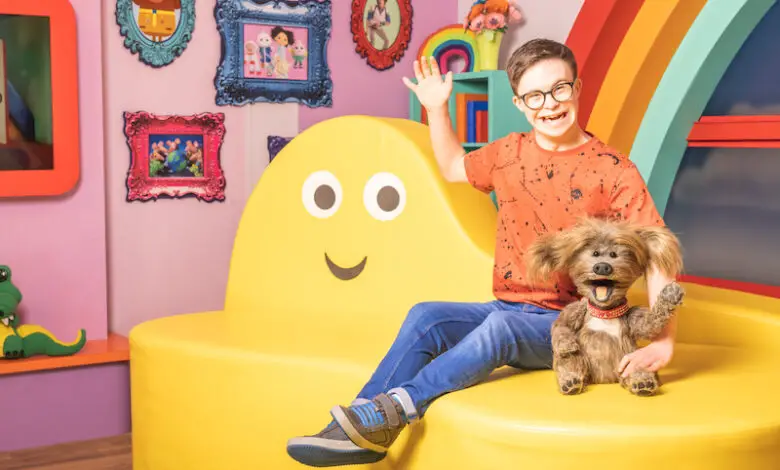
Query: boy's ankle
[407, 408]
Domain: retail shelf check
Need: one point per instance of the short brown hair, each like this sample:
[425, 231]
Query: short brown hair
[534, 51]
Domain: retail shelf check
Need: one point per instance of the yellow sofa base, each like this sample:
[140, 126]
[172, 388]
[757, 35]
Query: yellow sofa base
[205, 396]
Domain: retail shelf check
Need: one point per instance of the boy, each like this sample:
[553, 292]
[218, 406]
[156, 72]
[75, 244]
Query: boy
[544, 180]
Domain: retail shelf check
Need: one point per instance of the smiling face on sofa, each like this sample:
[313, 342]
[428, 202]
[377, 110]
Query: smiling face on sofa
[352, 215]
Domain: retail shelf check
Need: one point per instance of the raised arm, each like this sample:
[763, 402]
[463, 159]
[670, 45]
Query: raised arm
[434, 93]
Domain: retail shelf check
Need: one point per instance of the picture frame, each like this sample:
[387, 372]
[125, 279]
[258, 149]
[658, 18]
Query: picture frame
[275, 145]
[381, 30]
[175, 156]
[157, 30]
[44, 165]
[274, 51]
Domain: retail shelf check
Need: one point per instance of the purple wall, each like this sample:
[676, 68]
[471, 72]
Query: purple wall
[360, 89]
[53, 407]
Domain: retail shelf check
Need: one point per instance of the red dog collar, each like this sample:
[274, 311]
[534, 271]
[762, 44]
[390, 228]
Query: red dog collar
[614, 312]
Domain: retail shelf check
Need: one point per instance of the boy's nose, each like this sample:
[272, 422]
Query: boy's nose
[602, 269]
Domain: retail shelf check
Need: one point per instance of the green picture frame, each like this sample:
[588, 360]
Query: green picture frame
[158, 31]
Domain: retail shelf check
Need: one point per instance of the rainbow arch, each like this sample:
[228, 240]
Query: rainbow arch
[650, 67]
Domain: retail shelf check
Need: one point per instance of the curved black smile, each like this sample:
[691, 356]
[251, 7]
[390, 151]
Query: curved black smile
[345, 274]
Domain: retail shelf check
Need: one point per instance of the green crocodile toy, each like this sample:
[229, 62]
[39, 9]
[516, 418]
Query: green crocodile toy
[19, 341]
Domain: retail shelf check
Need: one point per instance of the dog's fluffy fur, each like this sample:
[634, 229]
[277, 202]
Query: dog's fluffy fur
[603, 259]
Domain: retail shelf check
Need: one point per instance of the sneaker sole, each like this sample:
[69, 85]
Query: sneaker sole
[318, 452]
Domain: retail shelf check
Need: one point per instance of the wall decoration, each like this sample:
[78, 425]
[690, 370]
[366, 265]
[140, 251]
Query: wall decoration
[157, 30]
[175, 156]
[489, 20]
[381, 30]
[274, 51]
[275, 145]
[449, 44]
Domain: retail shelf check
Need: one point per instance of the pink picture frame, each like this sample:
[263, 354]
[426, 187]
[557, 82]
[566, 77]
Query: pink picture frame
[175, 156]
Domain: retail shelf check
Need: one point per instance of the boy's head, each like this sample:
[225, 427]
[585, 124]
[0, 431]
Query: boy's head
[543, 75]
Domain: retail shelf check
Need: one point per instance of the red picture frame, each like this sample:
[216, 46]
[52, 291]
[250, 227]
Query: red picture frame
[175, 156]
[65, 104]
[385, 58]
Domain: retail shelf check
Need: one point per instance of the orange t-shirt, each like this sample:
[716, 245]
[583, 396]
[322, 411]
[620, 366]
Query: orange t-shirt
[541, 191]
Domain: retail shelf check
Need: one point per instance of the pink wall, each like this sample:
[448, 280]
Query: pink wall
[56, 247]
[360, 89]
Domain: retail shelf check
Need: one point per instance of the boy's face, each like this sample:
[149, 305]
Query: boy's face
[553, 119]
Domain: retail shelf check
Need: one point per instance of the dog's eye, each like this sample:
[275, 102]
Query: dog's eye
[612, 254]
[596, 254]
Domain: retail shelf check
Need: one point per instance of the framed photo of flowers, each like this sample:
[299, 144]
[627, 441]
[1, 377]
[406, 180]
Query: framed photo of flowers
[274, 51]
[175, 156]
[381, 30]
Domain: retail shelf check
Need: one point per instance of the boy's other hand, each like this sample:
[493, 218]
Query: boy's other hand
[652, 357]
[431, 90]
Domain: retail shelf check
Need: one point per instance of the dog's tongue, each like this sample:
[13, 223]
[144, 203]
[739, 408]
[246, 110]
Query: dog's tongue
[602, 293]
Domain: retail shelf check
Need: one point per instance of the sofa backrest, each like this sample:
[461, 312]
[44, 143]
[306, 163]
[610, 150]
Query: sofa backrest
[349, 192]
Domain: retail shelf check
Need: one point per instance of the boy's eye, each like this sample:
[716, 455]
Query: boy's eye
[596, 253]
[612, 254]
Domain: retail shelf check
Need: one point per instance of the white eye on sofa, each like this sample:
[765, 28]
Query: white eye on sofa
[322, 194]
[384, 196]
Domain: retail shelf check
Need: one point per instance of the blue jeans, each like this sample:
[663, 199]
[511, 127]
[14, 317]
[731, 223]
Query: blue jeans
[447, 346]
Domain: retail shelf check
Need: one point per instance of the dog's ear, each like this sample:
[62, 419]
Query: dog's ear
[544, 257]
[663, 249]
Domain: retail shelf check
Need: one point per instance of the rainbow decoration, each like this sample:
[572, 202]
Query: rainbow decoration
[649, 69]
[451, 42]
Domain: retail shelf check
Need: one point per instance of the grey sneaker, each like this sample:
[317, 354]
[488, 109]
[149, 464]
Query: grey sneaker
[374, 425]
[331, 447]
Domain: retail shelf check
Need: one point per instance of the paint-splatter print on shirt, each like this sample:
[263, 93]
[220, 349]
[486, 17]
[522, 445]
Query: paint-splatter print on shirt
[540, 191]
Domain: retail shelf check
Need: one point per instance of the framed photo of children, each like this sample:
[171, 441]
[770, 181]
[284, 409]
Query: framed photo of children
[274, 51]
[175, 156]
[381, 30]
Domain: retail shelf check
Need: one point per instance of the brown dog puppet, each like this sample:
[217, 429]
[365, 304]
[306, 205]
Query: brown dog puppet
[603, 259]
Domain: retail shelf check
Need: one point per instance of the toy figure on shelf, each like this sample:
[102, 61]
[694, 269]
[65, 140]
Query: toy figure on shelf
[20, 341]
[489, 20]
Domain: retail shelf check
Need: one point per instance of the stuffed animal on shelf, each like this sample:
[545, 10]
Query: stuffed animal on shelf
[603, 259]
[20, 341]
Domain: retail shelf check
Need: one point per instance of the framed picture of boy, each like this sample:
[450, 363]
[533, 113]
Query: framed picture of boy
[381, 30]
[274, 51]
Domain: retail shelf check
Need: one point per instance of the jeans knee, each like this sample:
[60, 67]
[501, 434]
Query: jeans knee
[422, 315]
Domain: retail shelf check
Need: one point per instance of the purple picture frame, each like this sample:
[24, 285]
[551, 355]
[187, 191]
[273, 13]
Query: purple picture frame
[275, 145]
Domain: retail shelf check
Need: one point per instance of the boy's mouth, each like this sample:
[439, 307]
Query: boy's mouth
[601, 289]
[555, 117]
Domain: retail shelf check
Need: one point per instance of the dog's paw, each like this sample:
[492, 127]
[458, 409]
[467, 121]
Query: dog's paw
[566, 346]
[672, 294]
[643, 384]
[571, 384]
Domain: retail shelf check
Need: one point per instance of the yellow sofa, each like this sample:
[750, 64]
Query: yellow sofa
[225, 390]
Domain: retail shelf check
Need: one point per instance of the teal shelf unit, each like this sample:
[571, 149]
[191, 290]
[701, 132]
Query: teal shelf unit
[503, 117]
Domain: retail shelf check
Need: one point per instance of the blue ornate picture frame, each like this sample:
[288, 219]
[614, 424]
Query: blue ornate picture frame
[274, 51]
[157, 31]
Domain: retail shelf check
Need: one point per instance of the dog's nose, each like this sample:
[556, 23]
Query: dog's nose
[602, 269]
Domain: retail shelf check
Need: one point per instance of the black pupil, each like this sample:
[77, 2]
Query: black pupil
[596, 253]
[324, 197]
[388, 198]
[3, 275]
[613, 254]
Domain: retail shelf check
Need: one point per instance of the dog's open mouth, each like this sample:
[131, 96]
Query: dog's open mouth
[602, 289]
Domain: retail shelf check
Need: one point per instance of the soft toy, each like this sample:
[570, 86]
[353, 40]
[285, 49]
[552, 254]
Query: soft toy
[21, 341]
[603, 259]
[493, 15]
[266, 52]
[298, 54]
[251, 57]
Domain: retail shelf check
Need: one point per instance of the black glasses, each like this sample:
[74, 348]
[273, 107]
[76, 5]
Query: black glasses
[560, 93]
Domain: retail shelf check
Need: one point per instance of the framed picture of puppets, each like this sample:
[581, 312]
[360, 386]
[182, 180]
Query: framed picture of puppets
[175, 156]
[274, 51]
